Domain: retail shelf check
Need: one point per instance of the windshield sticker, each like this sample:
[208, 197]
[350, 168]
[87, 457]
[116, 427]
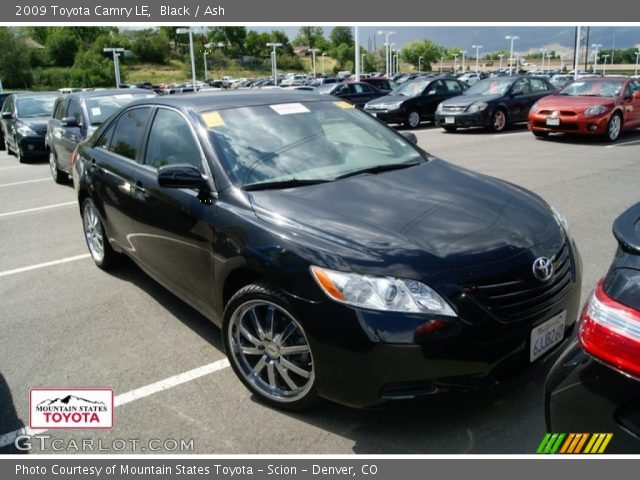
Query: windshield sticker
[343, 104]
[95, 111]
[289, 108]
[213, 119]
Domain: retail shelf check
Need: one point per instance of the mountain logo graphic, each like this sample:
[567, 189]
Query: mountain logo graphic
[69, 400]
[71, 408]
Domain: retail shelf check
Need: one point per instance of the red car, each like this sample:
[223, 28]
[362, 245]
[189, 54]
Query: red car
[601, 106]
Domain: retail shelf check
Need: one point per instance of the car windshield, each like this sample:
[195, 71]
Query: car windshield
[35, 106]
[307, 142]
[101, 108]
[412, 88]
[601, 87]
[490, 86]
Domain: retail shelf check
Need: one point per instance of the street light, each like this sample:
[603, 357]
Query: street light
[477, 47]
[395, 63]
[543, 51]
[500, 57]
[513, 38]
[386, 34]
[561, 62]
[313, 56]
[441, 59]
[323, 55]
[595, 47]
[604, 65]
[392, 67]
[455, 63]
[463, 52]
[193, 61]
[115, 51]
[209, 46]
[274, 63]
[419, 64]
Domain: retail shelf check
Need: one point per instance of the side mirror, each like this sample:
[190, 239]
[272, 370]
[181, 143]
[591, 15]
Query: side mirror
[181, 176]
[7, 115]
[411, 137]
[69, 122]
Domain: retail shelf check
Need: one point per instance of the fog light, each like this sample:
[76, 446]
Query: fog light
[593, 128]
[30, 147]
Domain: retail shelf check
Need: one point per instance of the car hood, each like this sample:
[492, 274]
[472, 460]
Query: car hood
[391, 98]
[37, 124]
[466, 100]
[413, 222]
[578, 103]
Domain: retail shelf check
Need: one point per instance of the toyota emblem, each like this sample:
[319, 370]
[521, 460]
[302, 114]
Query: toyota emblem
[543, 269]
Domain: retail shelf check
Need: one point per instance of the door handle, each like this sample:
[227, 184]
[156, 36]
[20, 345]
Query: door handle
[139, 187]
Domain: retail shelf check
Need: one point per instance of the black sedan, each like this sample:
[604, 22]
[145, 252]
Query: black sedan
[414, 101]
[595, 384]
[339, 259]
[24, 123]
[357, 93]
[75, 117]
[493, 103]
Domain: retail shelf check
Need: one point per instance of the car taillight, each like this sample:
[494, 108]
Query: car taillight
[74, 157]
[610, 332]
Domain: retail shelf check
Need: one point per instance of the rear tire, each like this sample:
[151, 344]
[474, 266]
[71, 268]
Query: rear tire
[58, 175]
[103, 255]
[614, 127]
[412, 120]
[498, 121]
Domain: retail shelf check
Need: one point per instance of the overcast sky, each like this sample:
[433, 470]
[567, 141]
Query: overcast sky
[491, 38]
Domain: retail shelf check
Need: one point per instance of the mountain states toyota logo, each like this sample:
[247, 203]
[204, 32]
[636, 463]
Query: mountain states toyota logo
[70, 408]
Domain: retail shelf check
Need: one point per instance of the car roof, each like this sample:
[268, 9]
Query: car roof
[108, 92]
[36, 94]
[202, 102]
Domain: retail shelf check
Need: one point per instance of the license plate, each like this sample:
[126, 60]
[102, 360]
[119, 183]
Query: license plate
[449, 120]
[547, 335]
[553, 122]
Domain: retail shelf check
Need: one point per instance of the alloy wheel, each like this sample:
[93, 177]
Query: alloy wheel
[53, 166]
[499, 121]
[93, 232]
[615, 125]
[414, 119]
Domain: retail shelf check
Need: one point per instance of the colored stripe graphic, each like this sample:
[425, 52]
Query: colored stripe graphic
[573, 443]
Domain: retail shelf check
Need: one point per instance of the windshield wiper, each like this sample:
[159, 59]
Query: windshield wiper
[378, 169]
[288, 183]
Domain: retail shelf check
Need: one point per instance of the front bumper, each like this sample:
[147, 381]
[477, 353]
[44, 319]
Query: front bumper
[363, 358]
[583, 395]
[463, 120]
[388, 116]
[32, 146]
[575, 124]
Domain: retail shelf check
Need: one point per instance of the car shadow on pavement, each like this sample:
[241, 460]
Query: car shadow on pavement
[519, 127]
[9, 420]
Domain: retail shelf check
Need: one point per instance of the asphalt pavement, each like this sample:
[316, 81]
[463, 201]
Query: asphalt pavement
[66, 323]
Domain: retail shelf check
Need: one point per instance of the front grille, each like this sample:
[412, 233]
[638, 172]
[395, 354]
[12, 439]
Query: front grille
[523, 297]
[452, 109]
[564, 113]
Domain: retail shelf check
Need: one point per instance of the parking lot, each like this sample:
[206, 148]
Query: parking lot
[66, 323]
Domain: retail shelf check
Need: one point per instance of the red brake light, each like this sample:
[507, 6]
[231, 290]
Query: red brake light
[610, 332]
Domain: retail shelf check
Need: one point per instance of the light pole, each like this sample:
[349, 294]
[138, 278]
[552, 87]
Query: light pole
[193, 61]
[637, 55]
[543, 51]
[604, 65]
[274, 63]
[387, 34]
[362, 61]
[477, 47]
[313, 59]
[419, 64]
[513, 38]
[500, 57]
[206, 75]
[323, 55]
[455, 63]
[595, 47]
[209, 46]
[441, 59]
[391, 59]
[561, 62]
[395, 63]
[463, 52]
[116, 65]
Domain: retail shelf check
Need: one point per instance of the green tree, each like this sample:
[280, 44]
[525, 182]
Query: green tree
[308, 36]
[151, 46]
[62, 46]
[429, 51]
[15, 71]
[340, 35]
[91, 69]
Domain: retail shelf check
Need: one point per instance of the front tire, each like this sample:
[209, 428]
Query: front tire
[268, 348]
[58, 175]
[613, 128]
[498, 121]
[412, 120]
[97, 242]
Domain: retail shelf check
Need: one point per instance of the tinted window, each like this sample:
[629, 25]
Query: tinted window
[101, 108]
[128, 131]
[453, 86]
[8, 105]
[171, 141]
[75, 111]
[521, 87]
[105, 139]
[61, 108]
[361, 88]
[341, 90]
[538, 85]
[35, 106]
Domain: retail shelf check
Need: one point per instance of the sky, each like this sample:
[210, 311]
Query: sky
[491, 38]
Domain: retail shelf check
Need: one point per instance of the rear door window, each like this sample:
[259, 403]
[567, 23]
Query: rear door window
[128, 132]
[171, 141]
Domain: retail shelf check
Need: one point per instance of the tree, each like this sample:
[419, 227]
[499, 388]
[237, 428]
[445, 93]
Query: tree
[308, 36]
[62, 46]
[340, 35]
[151, 46]
[91, 69]
[429, 51]
[15, 71]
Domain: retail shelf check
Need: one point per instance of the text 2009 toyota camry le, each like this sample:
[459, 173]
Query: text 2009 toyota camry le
[339, 259]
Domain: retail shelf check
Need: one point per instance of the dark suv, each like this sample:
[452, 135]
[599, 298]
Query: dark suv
[75, 117]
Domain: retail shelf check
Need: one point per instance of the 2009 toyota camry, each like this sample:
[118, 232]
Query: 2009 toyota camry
[339, 259]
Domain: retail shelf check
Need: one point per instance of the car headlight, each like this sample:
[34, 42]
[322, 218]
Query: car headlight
[595, 110]
[561, 219]
[380, 293]
[476, 107]
[26, 131]
[439, 108]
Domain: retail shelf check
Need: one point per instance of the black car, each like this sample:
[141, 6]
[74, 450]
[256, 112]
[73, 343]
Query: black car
[75, 117]
[3, 97]
[493, 103]
[595, 384]
[357, 93]
[339, 259]
[24, 123]
[382, 84]
[414, 101]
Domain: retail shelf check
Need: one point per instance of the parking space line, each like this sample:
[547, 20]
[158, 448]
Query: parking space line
[619, 144]
[25, 181]
[36, 209]
[142, 392]
[37, 266]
